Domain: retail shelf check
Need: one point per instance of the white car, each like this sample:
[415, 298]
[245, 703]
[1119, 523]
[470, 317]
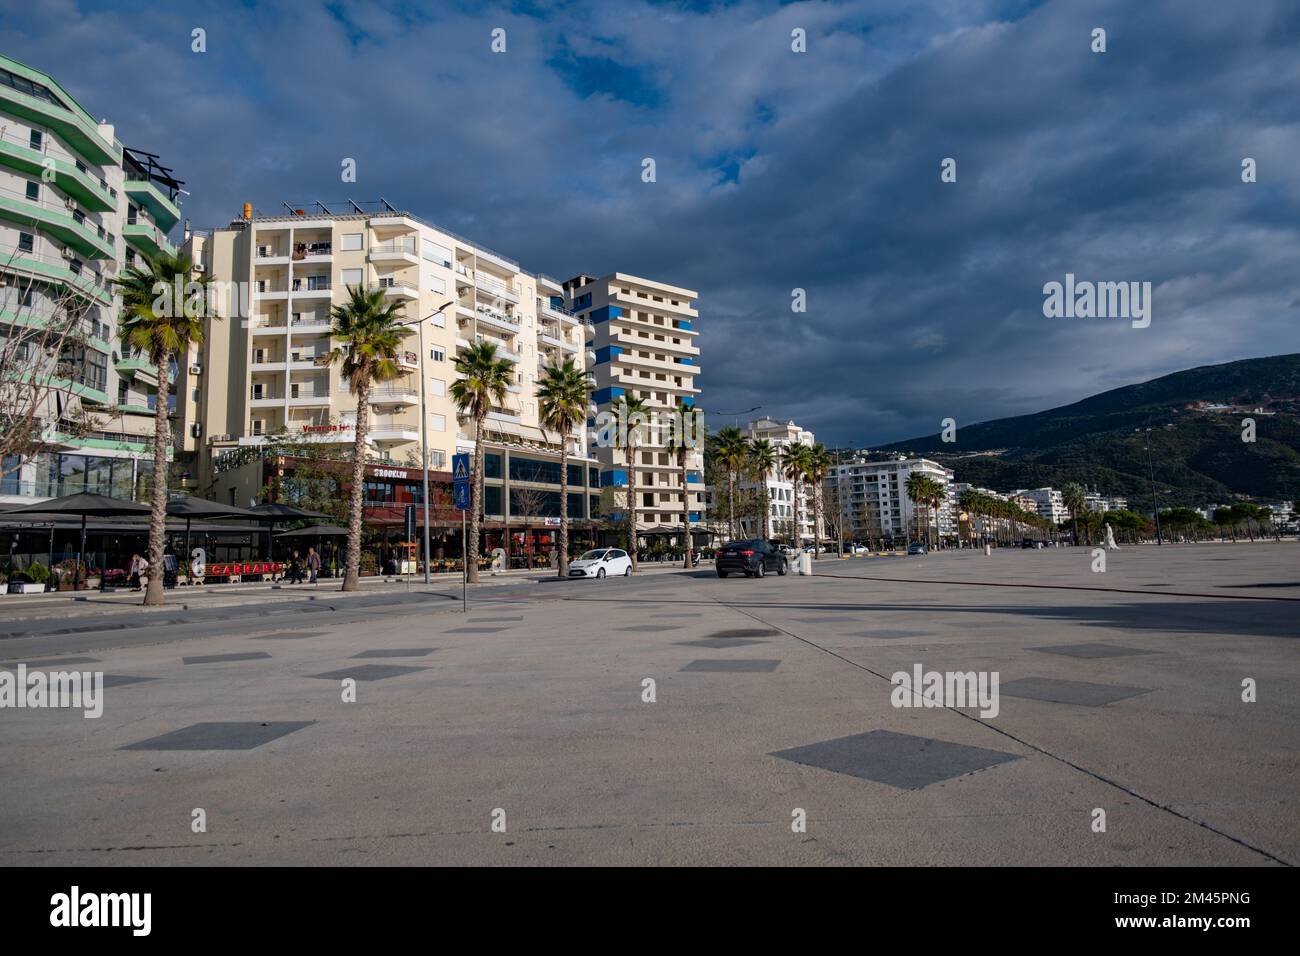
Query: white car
[601, 563]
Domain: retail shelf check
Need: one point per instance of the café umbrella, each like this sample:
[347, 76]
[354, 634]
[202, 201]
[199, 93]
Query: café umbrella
[190, 508]
[273, 512]
[85, 504]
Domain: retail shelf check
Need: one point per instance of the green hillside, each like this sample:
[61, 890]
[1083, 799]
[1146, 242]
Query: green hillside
[1197, 454]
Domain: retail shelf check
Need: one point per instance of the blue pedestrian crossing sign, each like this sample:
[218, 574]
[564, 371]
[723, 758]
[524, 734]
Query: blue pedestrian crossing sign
[460, 480]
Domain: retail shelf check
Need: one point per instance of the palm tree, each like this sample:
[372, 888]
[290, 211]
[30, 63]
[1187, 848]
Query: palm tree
[368, 333]
[732, 451]
[819, 466]
[918, 491]
[160, 320]
[938, 494]
[970, 501]
[631, 414]
[795, 467]
[1072, 496]
[688, 434]
[483, 381]
[562, 396]
[762, 459]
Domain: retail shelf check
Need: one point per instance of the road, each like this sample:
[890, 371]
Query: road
[1120, 692]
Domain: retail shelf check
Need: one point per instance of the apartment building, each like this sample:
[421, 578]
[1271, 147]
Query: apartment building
[281, 275]
[76, 208]
[780, 489]
[1048, 502]
[641, 342]
[872, 497]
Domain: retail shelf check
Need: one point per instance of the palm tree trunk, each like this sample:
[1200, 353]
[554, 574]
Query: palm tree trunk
[153, 594]
[564, 504]
[817, 521]
[631, 503]
[352, 560]
[731, 505]
[798, 529]
[471, 546]
[686, 515]
[767, 510]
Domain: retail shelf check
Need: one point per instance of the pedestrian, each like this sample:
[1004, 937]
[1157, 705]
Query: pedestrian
[295, 569]
[136, 569]
[313, 564]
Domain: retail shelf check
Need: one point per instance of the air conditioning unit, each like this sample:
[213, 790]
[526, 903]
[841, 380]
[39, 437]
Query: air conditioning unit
[70, 203]
[67, 253]
[196, 369]
[198, 267]
[196, 429]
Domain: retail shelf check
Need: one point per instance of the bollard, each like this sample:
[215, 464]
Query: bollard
[805, 563]
[988, 550]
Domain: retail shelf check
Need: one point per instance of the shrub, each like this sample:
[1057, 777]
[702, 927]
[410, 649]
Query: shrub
[38, 573]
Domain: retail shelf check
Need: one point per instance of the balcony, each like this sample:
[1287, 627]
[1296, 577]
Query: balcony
[306, 398]
[78, 129]
[495, 288]
[400, 288]
[410, 361]
[394, 250]
[67, 224]
[74, 178]
[553, 342]
[394, 395]
[58, 269]
[499, 320]
[137, 368]
[262, 399]
[314, 286]
[160, 206]
[385, 429]
[313, 251]
[148, 238]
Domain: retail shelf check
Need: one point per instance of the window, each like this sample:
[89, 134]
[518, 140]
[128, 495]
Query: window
[437, 284]
[350, 241]
[439, 320]
[35, 141]
[437, 355]
[352, 276]
[437, 386]
[25, 242]
[438, 423]
[33, 191]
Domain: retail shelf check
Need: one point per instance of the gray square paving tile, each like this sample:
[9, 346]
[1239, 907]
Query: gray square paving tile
[746, 632]
[722, 642]
[122, 680]
[488, 620]
[649, 628]
[904, 761]
[1092, 651]
[394, 652]
[1070, 691]
[888, 634]
[285, 636]
[474, 630]
[221, 735]
[366, 672]
[52, 662]
[746, 665]
[219, 658]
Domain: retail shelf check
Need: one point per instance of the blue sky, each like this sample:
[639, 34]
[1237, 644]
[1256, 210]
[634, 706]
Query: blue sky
[775, 170]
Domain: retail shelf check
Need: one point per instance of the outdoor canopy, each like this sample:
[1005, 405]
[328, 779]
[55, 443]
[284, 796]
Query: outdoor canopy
[190, 508]
[273, 512]
[84, 504]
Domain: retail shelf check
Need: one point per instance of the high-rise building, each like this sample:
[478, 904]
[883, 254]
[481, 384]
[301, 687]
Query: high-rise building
[281, 275]
[780, 489]
[641, 341]
[872, 497]
[1049, 503]
[76, 208]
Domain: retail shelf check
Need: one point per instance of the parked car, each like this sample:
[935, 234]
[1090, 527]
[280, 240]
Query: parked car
[860, 549]
[752, 558]
[788, 550]
[916, 547]
[601, 563]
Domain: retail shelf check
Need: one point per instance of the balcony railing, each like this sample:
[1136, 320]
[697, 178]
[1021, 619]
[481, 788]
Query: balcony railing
[400, 245]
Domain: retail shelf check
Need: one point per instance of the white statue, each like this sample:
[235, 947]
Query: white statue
[498, 559]
[198, 566]
[1110, 539]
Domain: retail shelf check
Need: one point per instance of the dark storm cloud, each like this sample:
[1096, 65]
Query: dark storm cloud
[775, 170]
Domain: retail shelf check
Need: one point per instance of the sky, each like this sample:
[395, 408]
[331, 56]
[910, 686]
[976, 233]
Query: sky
[775, 170]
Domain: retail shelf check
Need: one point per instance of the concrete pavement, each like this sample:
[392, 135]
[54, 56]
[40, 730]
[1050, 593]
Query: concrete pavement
[771, 697]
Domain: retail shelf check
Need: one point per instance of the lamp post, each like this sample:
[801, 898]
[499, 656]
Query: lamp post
[424, 433]
[1151, 471]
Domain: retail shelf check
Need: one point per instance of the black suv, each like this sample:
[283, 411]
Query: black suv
[754, 558]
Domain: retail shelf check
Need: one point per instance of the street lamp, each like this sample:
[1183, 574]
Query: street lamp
[424, 432]
[1151, 470]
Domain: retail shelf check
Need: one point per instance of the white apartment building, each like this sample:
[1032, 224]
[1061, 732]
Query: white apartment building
[1048, 502]
[267, 360]
[641, 342]
[780, 490]
[1100, 504]
[76, 208]
[873, 498]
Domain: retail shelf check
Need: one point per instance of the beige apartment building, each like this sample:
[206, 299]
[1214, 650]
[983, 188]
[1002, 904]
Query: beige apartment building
[264, 363]
[642, 342]
[780, 489]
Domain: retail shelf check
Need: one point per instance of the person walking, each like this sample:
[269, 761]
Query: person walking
[137, 569]
[313, 565]
[295, 569]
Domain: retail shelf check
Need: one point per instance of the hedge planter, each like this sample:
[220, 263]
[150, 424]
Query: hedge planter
[22, 587]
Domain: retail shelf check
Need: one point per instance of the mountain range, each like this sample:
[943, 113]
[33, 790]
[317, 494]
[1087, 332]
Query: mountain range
[1192, 422]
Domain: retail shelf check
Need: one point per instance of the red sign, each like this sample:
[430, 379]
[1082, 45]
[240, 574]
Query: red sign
[244, 567]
